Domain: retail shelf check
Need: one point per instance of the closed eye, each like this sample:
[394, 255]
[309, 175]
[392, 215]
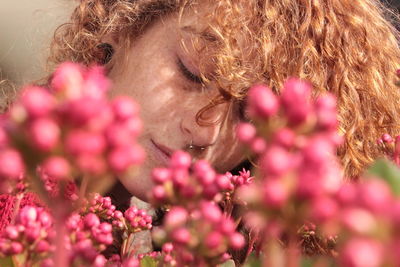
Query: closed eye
[189, 75]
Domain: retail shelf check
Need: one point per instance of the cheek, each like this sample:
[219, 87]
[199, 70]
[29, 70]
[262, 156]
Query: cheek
[228, 152]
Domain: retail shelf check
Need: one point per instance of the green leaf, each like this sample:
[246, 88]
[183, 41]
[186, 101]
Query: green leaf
[252, 261]
[387, 171]
[317, 261]
[306, 262]
[148, 262]
[6, 262]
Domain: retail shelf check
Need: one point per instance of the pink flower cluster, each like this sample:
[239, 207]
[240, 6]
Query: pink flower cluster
[296, 150]
[87, 238]
[72, 128]
[31, 233]
[133, 220]
[195, 226]
[295, 140]
[184, 183]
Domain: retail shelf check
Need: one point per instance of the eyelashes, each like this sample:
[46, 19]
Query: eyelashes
[189, 75]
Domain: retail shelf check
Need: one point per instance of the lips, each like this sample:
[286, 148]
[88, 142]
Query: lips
[161, 152]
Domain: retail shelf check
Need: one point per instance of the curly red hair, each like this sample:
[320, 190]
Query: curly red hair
[347, 47]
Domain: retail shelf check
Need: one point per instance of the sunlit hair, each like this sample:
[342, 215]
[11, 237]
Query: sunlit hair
[347, 47]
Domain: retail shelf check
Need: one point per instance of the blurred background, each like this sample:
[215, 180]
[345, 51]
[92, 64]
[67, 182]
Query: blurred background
[26, 28]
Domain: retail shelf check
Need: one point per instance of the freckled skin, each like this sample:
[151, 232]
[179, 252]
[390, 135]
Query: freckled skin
[170, 101]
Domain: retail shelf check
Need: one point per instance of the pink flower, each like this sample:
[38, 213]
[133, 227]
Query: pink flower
[80, 111]
[91, 220]
[11, 164]
[204, 172]
[210, 211]
[362, 252]
[57, 167]
[375, 195]
[167, 247]
[180, 159]
[262, 101]
[323, 209]
[236, 241]
[213, 240]
[258, 145]
[161, 175]
[181, 236]
[44, 133]
[37, 101]
[67, 80]
[91, 164]
[124, 108]
[121, 158]
[95, 82]
[276, 161]
[296, 100]
[275, 193]
[325, 109]
[84, 142]
[285, 137]
[159, 193]
[176, 217]
[245, 132]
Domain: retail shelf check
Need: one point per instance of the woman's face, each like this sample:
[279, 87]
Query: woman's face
[161, 75]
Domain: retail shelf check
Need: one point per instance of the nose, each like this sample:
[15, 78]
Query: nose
[202, 127]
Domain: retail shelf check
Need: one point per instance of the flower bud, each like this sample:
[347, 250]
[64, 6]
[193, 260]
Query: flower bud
[16, 248]
[387, 138]
[42, 246]
[213, 240]
[375, 195]
[91, 220]
[45, 133]
[161, 175]
[326, 112]
[224, 183]
[124, 108]
[236, 241]
[181, 236]
[362, 252]
[159, 193]
[245, 132]
[84, 142]
[180, 159]
[167, 247]
[121, 158]
[276, 161]
[285, 137]
[11, 164]
[56, 167]
[96, 83]
[28, 214]
[176, 217]
[262, 101]
[258, 145]
[11, 232]
[210, 211]
[68, 80]
[37, 101]
[91, 164]
[295, 99]
[323, 209]
[275, 193]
